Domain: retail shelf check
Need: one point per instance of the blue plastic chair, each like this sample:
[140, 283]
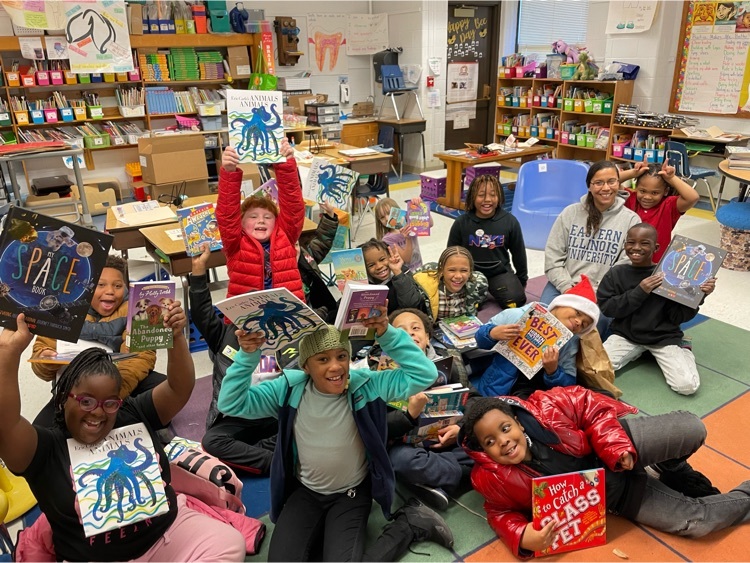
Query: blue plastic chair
[677, 155]
[394, 85]
[543, 189]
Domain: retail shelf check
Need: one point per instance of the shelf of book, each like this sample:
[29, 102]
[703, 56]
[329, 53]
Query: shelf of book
[653, 139]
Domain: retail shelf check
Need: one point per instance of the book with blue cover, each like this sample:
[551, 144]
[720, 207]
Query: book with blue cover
[330, 183]
[199, 225]
[255, 125]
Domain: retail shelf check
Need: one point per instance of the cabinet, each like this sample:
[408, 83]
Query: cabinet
[527, 112]
[360, 134]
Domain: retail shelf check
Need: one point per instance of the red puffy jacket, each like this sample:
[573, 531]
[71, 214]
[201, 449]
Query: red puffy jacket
[244, 253]
[583, 422]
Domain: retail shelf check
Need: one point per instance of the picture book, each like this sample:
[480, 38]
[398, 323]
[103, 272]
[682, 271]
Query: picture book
[539, 330]
[576, 502]
[426, 433]
[443, 365]
[48, 270]
[277, 313]
[144, 495]
[198, 224]
[269, 189]
[419, 218]
[330, 183]
[686, 264]
[458, 342]
[267, 368]
[349, 266]
[255, 126]
[446, 398]
[397, 218]
[147, 304]
[358, 303]
[463, 326]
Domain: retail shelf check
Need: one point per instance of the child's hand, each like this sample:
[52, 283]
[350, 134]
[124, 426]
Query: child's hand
[626, 461]
[505, 332]
[327, 208]
[417, 404]
[416, 201]
[447, 436]
[378, 322]
[407, 230]
[249, 341]
[640, 168]
[395, 262]
[286, 149]
[550, 357]
[538, 540]
[16, 341]
[667, 171]
[708, 286]
[229, 159]
[175, 318]
[650, 283]
[200, 262]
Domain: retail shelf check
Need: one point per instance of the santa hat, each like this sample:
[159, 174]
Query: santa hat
[582, 298]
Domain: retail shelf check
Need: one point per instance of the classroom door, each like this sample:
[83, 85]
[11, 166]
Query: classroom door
[471, 73]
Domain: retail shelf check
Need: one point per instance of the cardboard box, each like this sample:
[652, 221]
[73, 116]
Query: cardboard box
[250, 178]
[239, 62]
[135, 19]
[298, 101]
[192, 188]
[172, 158]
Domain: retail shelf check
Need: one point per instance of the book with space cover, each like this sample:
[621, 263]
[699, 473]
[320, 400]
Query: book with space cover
[687, 264]
[358, 303]
[540, 329]
[148, 302]
[419, 218]
[464, 326]
[349, 266]
[146, 495]
[49, 270]
[330, 183]
[576, 502]
[198, 224]
[255, 125]
[397, 218]
[276, 312]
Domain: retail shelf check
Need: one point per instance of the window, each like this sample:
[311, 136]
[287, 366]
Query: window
[540, 22]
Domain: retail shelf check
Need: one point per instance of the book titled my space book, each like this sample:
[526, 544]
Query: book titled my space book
[148, 302]
[199, 225]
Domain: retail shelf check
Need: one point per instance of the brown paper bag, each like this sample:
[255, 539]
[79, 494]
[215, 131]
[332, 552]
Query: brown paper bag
[593, 365]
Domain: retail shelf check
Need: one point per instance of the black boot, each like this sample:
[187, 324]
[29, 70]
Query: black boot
[426, 524]
[686, 480]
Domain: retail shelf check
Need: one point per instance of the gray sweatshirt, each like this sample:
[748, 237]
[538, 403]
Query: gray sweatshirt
[570, 252]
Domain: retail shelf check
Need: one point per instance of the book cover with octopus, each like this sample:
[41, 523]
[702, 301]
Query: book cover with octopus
[576, 502]
[255, 125]
[147, 304]
[117, 481]
[330, 183]
[277, 313]
[48, 270]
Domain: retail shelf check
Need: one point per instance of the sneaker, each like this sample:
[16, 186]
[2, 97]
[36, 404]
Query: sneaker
[686, 342]
[426, 524]
[434, 497]
[686, 480]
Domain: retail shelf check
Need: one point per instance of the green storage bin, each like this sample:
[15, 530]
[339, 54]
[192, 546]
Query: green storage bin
[607, 107]
[96, 141]
[581, 140]
[568, 104]
[5, 118]
[590, 140]
[84, 79]
[588, 106]
[506, 129]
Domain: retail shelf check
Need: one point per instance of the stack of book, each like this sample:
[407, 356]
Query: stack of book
[459, 331]
[739, 157]
[445, 407]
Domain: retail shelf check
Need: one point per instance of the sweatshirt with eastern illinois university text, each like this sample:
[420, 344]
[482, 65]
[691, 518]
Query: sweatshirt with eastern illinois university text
[571, 252]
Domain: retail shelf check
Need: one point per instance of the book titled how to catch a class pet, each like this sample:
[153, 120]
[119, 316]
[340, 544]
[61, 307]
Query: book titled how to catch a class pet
[49, 270]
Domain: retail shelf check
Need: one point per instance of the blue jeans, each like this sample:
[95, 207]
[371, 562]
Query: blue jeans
[671, 436]
[550, 292]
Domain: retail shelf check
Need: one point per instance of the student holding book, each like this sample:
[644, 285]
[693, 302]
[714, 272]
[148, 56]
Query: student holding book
[404, 238]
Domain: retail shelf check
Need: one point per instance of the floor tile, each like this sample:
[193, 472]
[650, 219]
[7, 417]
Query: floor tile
[723, 348]
[723, 434]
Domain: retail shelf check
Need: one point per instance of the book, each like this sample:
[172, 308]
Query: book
[276, 312]
[426, 432]
[255, 125]
[90, 464]
[686, 264]
[358, 303]
[419, 218]
[450, 339]
[143, 213]
[577, 503]
[349, 266]
[737, 152]
[539, 330]
[147, 304]
[397, 218]
[198, 224]
[446, 398]
[444, 365]
[269, 189]
[365, 151]
[48, 270]
[464, 326]
[329, 183]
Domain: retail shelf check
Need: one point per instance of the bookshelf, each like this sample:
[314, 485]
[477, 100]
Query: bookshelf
[632, 130]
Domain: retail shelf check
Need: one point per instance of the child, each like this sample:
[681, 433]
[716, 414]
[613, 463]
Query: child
[573, 429]
[385, 267]
[105, 324]
[451, 288]
[87, 408]
[243, 444]
[493, 236]
[654, 199]
[331, 460]
[576, 309]
[405, 240]
[258, 236]
[643, 321]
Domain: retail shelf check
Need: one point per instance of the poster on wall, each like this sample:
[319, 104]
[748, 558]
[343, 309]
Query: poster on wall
[57, 47]
[98, 37]
[366, 34]
[326, 36]
[35, 14]
[626, 17]
[461, 86]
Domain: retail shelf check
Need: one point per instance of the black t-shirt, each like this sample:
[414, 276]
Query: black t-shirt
[49, 477]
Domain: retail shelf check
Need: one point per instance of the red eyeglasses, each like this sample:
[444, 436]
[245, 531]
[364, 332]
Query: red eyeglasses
[90, 404]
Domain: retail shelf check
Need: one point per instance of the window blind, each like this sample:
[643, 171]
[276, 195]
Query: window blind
[540, 22]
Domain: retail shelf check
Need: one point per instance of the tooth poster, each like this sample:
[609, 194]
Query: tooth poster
[98, 37]
[255, 125]
[326, 37]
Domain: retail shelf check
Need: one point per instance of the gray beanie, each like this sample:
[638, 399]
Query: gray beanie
[322, 340]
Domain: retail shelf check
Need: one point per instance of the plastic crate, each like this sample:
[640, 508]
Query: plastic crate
[132, 111]
[196, 341]
[96, 141]
[489, 168]
[210, 123]
[211, 108]
[433, 184]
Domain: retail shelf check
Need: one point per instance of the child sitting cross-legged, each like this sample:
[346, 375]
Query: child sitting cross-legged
[643, 321]
[576, 309]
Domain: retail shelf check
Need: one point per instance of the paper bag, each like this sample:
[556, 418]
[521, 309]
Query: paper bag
[594, 368]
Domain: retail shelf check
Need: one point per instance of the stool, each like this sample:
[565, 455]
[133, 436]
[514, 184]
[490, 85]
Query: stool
[734, 223]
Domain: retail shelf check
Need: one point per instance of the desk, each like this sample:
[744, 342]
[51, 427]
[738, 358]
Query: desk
[456, 164]
[127, 236]
[372, 164]
[742, 176]
[719, 145]
[403, 127]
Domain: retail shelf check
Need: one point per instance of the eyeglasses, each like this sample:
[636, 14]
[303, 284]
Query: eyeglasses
[89, 404]
[612, 182]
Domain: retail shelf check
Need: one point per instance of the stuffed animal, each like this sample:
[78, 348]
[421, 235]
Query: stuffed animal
[584, 71]
[569, 51]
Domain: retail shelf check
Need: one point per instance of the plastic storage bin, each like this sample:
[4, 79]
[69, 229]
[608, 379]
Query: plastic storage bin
[210, 123]
[433, 184]
[96, 141]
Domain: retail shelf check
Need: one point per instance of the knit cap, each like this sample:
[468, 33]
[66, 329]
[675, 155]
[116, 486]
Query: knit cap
[322, 340]
[582, 298]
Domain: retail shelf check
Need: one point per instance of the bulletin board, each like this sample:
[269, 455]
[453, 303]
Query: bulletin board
[712, 74]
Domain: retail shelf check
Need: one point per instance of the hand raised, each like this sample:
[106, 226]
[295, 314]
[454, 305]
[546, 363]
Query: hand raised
[378, 321]
[249, 341]
[16, 341]
[200, 261]
[229, 159]
[175, 318]
[395, 262]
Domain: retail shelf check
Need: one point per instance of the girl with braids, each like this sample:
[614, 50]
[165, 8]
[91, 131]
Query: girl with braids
[588, 237]
[570, 429]
[88, 407]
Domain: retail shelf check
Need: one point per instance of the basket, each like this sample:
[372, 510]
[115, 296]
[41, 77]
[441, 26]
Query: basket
[21, 31]
[132, 111]
[567, 71]
[433, 184]
[96, 141]
[211, 123]
[187, 123]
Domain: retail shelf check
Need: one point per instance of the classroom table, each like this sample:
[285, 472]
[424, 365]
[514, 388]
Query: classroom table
[740, 175]
[370, 164]
[718, 145]
[403, 127]
[457, 163]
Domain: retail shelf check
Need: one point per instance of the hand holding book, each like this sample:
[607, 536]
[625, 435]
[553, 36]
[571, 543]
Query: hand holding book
[249, 341]
[200, 261]
[378, 319]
